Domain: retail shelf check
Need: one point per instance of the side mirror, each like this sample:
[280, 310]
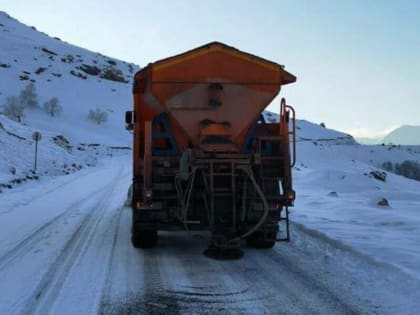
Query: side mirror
[129, 120]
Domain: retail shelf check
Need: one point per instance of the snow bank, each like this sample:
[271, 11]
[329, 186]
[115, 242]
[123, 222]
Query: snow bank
[338, 195]
[56, 155]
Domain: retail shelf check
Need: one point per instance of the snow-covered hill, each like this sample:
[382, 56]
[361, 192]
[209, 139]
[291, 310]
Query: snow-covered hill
[404, 135]
[82, 80]
[309, 132]
[339, 191]
[340, 194]
[369, 140]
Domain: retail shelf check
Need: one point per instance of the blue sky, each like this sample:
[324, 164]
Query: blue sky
[357, 62]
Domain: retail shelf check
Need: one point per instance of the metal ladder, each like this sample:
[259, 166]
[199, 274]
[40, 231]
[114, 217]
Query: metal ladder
[214, 173]
[274, 180]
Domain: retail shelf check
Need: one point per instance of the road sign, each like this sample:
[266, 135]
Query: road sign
[36, 136]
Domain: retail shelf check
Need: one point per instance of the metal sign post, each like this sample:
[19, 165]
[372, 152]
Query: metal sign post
[37, 137]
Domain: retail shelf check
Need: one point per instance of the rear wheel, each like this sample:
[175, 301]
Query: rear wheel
[144, 238]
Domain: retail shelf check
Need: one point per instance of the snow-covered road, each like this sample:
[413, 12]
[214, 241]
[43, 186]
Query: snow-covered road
[56, 247]
[65, 249]
[311, 275]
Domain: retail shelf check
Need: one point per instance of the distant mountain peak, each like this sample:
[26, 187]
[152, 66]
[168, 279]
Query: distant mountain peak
[404, 135]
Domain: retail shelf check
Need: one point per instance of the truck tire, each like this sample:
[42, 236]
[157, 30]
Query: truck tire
[144, 238]
[129, 200]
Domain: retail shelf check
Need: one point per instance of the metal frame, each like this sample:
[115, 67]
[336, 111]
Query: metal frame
[166, 134]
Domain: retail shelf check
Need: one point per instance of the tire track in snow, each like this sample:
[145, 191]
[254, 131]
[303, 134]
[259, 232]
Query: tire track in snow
[32, 199]
[105, 294]
[48, 289]
[155, 300]
[179, 279]
[297, 291]
[137, 281]
[206, 286]
[39, 234]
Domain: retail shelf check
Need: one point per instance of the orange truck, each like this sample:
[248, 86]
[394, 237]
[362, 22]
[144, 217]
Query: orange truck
[204, 157]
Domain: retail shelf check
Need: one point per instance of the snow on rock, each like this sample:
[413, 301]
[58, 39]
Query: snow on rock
[82, 80]
[307, 131]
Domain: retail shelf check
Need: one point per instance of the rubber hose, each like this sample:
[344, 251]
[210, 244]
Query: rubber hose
[247, 170]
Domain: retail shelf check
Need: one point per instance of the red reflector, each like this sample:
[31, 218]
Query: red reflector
[291, 195]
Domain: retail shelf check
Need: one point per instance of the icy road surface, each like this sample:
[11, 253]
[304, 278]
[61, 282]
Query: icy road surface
[65, 249]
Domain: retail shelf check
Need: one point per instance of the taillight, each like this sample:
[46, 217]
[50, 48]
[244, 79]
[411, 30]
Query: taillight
[291, 195]
[148, 195]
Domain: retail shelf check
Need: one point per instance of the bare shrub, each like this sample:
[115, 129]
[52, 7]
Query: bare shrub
[98, 115]
[388, 166]
[28, 97]
[13, 108]
[53, 107]
[410, 169]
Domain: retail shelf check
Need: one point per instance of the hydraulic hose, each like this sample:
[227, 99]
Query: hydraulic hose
[186, 173]
[250, 174]
[244, 210]
[185, 196]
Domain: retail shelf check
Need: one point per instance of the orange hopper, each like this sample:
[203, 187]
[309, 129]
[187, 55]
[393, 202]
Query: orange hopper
[212, 95]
